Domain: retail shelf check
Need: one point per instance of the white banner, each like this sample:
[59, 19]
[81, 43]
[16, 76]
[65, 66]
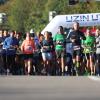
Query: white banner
[84, 19]
[92, 19]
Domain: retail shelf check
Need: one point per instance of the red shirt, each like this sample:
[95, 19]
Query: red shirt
[28, 46]
[93, 30]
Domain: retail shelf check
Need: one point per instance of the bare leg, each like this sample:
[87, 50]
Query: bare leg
[29, 66]
[91, 65]
[62, 64]
[26, 65]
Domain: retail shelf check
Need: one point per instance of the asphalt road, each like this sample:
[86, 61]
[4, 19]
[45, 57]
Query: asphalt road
[48, 88]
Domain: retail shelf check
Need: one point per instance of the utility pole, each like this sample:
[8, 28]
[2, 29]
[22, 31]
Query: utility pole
[3, 19]
[52, 14]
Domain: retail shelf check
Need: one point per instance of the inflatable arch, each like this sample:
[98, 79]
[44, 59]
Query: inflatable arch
[91, 19]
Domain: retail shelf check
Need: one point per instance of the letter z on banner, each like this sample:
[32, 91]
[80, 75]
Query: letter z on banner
[84, 19]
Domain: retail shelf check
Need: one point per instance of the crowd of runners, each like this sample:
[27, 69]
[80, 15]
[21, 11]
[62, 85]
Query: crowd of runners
[75, 53]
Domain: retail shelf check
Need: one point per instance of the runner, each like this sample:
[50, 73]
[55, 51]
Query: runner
[69, 51]
[53, 69]
[18, 60]
[28, 48]
[98, 52]
[75, 37]
[47, 53]
[9, 46]
[89, 51]
[59, 40]
[1, 53]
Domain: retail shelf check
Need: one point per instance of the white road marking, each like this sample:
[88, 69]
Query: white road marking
[94, 78]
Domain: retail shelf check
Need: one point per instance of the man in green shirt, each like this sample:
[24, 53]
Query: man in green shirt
[88, 45]
[59, 47]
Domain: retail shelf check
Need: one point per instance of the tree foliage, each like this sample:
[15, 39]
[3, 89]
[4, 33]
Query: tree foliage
[26, 14]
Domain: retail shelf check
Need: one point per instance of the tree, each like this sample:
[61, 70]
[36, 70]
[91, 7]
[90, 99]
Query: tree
[18, 14]
[26, 14]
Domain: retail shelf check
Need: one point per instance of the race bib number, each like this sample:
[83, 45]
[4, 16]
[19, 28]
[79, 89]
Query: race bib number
[28, 48]
[76, 47]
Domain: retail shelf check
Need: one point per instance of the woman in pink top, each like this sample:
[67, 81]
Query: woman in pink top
[28, 48]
